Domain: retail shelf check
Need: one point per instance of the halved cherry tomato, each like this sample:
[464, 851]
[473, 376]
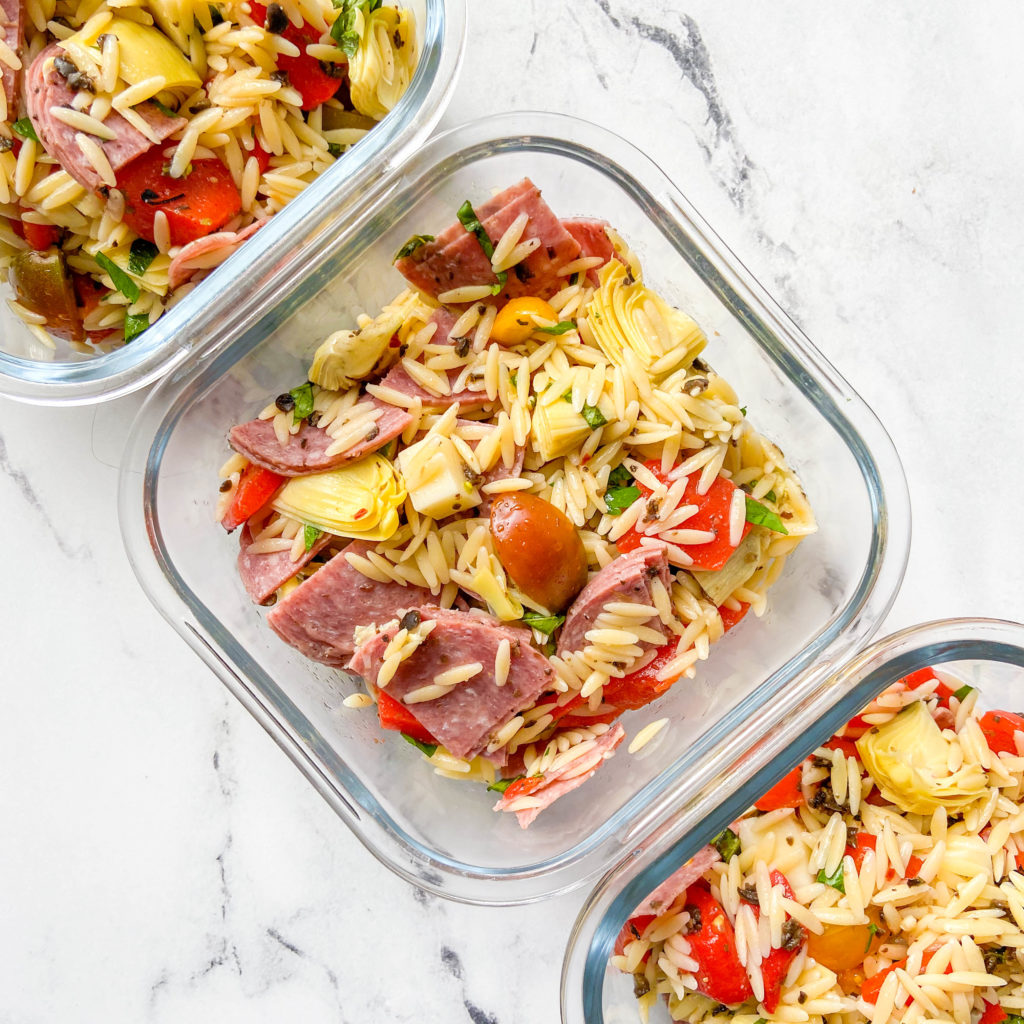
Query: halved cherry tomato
[395, 715]
[998, 728]
[712, 515]
[255, 488]
[196, 205]
[720, 975]
[305, 73]
[785, 793]
[843, 947]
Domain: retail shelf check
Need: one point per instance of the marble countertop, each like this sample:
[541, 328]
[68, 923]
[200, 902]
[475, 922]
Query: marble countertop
[162, 861]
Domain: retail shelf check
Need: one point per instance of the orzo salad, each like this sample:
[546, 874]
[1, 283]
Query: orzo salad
[881, 880]
[516, 502]
[141, 141]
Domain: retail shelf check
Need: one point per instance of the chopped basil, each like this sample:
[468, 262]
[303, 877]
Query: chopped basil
[761, 515]
[134, 325]
[835, 879]
[469, 220]
[163, 108]
[962, 693]
[216, 17]
[562, 327]
[412, 245]
[335, 149]
[743, 409]
[310, 535]
[23, 127]
[122, 282]
[1013, 1018]
[303, 396]
[343, 31]
[620, 477]
[502, 784]
[772, 496]
[727, 843]
[593, 416]
[543, 623]
[549, 649]
[427, 748]
[873, 930]
[574, 278]
[619, 499]
[514, 378]
[141, 255]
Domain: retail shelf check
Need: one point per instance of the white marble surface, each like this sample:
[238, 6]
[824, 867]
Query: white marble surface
[162, 861]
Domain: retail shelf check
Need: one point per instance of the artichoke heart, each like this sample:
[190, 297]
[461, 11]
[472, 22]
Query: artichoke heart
[486, 585]
[178, 21]
[359, 500]
[350, 356]
[908, 757]
[558, 427]
[383, 65]
[625, 315]
[143, 52]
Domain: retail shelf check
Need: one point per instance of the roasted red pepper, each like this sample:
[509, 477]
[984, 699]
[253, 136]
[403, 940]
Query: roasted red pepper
[631, 930]
[395, 715]
[712, 514]
[785, 793]
[998, 728]
[40, 236]
[305, 73]
[255, 488]
[198, 204]
[992, 1014]
[776, 964]
[720, 975]
[729, 617]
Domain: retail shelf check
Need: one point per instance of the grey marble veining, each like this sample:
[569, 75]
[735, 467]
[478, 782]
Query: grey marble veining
[162, 861]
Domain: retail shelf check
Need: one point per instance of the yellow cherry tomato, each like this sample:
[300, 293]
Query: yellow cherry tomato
[515, 322]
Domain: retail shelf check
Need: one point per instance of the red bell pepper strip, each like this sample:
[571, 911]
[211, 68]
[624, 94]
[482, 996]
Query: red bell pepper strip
[866, 841]
[305, 73]
[843, 743]
[872, 986]
[998, 728]
[256, 487]
[196, 205]
[720, 975]
[523, 787]
[712, 514]
[633, 929]
[785, 793]
[395, 715]
[775, 965]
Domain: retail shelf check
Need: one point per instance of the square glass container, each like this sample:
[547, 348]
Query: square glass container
[985, 653]
[441, 834]
[253, 275]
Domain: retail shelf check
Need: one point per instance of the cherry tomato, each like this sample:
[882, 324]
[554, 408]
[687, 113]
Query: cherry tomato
[844, 947]
[540, 549]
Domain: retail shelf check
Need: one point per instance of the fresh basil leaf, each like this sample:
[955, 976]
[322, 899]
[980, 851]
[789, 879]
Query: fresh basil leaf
[335, 149]
[593, 416]
[514, 378]
[761, 515]
[412, 245]
[310, 535]
[567, 396]
[141, 255]
[502, 784]
[618, 500]
[620, 477]
[835, 879]
[743, 409]
[303, 396]
[1013, 1018]
[772, 496]
[562, 327]
[163, 108]
[727, 843]
[427, 748]
[122, 282]
[549, 649]
[963, 692]
[873, 930]
[543, 623]
[134, 325]
[469, 220]
[23, 127]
